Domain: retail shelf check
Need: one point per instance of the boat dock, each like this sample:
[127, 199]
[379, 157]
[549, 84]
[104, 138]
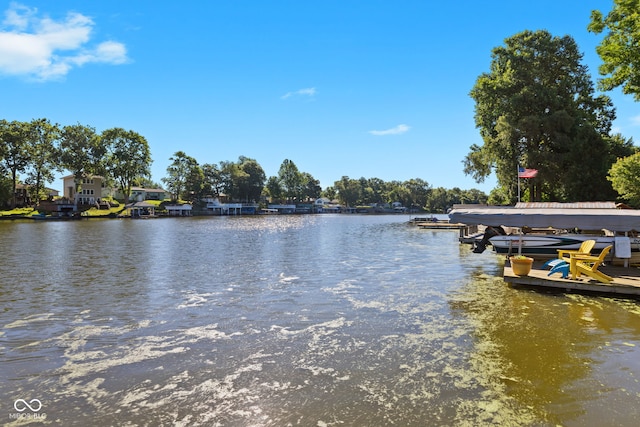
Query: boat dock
[626, 281]
[432, 223]
[440, 225]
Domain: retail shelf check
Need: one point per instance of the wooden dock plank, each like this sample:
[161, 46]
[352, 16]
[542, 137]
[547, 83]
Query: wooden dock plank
[440, 225]
[626, 281]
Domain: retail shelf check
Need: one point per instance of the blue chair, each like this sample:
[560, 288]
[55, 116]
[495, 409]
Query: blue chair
[553, 262]
[561, 267]
[558, 266]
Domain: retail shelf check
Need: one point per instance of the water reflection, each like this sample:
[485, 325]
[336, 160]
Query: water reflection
[546, 351]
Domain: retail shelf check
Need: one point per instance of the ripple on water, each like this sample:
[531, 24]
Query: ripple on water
[307, 320]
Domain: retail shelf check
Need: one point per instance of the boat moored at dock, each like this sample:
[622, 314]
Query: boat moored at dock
[540, 231]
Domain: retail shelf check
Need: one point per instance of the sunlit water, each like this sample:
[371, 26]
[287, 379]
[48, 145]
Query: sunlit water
[325, 320]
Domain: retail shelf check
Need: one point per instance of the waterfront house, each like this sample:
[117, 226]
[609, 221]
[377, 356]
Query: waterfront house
[92, 188]
[324, 205]
[140, 194]
[23, 198]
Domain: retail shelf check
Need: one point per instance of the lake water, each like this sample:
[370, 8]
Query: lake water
[315, 320]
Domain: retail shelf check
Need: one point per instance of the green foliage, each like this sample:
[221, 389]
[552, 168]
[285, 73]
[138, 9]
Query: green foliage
[14, 151]
[310, 187]
[290, 180]
[251, 179]
[5, 191]
[42, 141]
[440, 199]
[273, 189]
[414, 193]
[292, 185]
[213, 180]
[39, 147]
[179, 172]
[620, 47]
[128, 157]
[625, 178]
[536, 108]
[81, 151]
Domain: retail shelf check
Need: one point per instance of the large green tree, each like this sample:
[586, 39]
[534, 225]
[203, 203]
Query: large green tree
[43, 137]
[178, 173]
[536, 108]
[273, 189]
[349, 191]
[291, 180]
[310, 187]
[14, 151]
[620, 47]
[128, 157]
[81, 152]
[250, 181]
[419, 191]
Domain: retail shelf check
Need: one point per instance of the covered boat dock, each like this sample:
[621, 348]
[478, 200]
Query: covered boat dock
[621, 222]
[617, 220]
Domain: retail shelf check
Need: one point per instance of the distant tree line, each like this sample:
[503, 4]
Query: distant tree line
[36, 150]
[245, 180]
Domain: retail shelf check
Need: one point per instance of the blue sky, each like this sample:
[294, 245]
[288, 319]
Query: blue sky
[357, 88]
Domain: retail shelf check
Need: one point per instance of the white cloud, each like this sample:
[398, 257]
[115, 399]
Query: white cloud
[311, 91]
[42, 48]
[635, 120]
[393, 131]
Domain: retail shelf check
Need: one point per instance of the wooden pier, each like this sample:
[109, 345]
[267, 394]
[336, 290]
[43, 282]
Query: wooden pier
[440, 225]
[626, 281]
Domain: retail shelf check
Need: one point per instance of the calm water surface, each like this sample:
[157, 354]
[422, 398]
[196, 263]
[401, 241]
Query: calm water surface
[326, 320]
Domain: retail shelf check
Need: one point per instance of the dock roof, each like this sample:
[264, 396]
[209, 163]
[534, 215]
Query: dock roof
[562, 218]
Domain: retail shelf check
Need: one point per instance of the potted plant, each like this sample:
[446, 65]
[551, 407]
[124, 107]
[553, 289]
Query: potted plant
[521, 265]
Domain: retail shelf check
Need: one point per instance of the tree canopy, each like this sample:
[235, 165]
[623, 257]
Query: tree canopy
[42, 139]
[14, 150]
[620, 47]
[81, 151]
[536, 108]
[128, 158]
[178, 172]
[625, 178]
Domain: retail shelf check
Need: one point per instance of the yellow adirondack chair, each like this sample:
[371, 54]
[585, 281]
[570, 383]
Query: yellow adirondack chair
[585, 249]
[588, 265]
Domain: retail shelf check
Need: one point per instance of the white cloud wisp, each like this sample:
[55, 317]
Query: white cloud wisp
[400, 129]
[310, 92]
[44, 49]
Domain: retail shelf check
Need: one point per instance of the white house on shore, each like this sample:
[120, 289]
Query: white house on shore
[324, 205]
[140, 194]
[93, 187]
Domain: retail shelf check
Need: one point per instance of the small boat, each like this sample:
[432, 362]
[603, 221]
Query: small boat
[267, 211]
[541, 246]
[57, 217]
